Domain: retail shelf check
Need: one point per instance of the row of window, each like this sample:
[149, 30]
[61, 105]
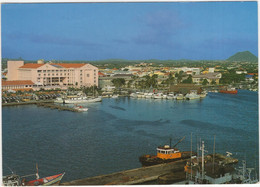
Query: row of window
[165, 152]
[61, 70]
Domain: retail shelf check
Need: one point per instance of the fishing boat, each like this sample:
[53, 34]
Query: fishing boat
[149, 96]
[59, 100]
[228, 91]
[16, 180]
[165, 154]
[46, 181]
[114, 96]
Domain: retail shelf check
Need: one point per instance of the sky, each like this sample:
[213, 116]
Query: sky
[133, 31]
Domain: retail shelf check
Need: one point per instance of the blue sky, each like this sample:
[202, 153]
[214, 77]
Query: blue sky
[134, 31]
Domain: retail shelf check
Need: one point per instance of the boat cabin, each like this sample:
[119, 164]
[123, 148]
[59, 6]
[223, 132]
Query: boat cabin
[166, 152]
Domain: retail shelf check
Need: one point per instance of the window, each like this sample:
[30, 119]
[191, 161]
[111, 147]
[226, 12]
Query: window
[94, 70]
[39, 75]
[52, 70]
[48, 70]
[87, 75]
[44, 74]
[39, 70]
[53, 74]
[57, 70]
[44, 70]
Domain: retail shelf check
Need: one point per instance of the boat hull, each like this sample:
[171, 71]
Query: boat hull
[228, 92]
[47, 181]
[148, 160]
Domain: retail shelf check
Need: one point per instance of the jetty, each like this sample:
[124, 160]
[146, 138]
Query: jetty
[27, 102]
[59, 107]
[133, 176]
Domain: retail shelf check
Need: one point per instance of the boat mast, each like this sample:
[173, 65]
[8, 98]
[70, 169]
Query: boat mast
[202, 154]
[191, 155]
[214, 155]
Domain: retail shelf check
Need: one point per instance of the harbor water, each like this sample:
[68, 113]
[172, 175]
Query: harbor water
[112, 134]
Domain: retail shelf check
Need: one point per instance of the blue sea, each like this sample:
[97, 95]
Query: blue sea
[115, 132]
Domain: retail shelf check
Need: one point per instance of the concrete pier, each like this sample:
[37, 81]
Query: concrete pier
[133, 176]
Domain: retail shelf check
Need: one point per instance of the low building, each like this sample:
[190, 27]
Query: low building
[210, 77]
[24, 85]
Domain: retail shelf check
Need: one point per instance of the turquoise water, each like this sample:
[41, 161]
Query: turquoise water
[114, 133]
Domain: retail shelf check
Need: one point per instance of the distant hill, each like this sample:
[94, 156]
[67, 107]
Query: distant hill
[245, 56]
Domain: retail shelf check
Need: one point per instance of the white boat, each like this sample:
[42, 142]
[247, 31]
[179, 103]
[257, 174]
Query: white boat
[75, 100]
[180, 97]
[58, 100]
[133, 95]
[114, 96]
[140, 94]
[81, 108]
[170, 97]
[164, 96]
[149, 95]
[158, 96]
[191, 96]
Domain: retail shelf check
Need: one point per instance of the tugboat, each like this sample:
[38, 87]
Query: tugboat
[165, 154]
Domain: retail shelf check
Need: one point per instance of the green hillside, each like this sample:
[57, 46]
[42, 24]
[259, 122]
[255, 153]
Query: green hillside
[245, 56]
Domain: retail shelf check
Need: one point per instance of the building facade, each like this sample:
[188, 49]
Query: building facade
[54, 75]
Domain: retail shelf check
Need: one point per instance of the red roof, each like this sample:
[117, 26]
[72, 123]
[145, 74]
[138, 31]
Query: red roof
[101, 74]
[7, 83]
[31, 65]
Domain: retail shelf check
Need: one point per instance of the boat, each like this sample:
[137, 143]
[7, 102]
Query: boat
[46, 181]
[164, 96]
[149, 96]
[75, 100]
[81, 108]
[191, 96]
[165, 154]
[114, 96]
[180, 97]
[228, 91]
[59, 100]
[170, 97]
[16, 180]
[158, 96]
[133, 95]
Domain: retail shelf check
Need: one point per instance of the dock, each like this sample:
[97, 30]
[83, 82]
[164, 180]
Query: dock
[133, 176]
[59, 107]
[27, 102]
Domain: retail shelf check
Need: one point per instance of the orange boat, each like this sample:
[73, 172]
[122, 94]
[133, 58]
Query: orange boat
[229, 91]
[165, 154]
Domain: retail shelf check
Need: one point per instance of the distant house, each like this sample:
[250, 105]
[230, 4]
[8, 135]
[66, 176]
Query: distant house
[209, 77]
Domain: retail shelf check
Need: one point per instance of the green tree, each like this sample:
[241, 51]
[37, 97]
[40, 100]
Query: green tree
[205, 82]
[213, 82]
[118, 82]
[188, 80]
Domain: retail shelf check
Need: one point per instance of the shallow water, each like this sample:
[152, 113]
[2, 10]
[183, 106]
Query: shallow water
[114, 133]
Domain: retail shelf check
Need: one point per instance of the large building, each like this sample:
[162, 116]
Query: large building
[54, 75]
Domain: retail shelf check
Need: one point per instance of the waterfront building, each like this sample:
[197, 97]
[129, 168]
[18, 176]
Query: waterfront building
[210, 77]
[51, 75]
[17, 85]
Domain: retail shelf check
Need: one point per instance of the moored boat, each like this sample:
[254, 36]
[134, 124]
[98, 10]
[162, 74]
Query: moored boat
[16, 180]
[229, 91]
[180, 97]
[191, 96]
[158, 96]
[75, 100]
[165, 154]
